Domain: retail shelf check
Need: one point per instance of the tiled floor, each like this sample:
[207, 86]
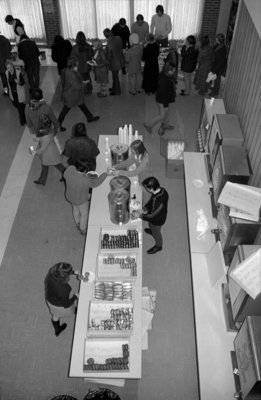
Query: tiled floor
[37, 230]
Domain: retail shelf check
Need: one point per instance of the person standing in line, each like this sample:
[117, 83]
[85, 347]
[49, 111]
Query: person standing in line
[16, 89]
[29, 53]
[78, 185]
[33, 111]
[122, 30]
[219, 64]
[154, 212]
[101, 68]
[161, 26]
[84, 52]
[165, 95]
[81, 147]
[140, 27]
[205, 60]
[189, 57]
[61, 50]
[57, 294]
[17, 25]
[73, 92]
[151, 66]
[47, 150]
[115, 58]
[5, 54]
[133, 58]
[173, 56]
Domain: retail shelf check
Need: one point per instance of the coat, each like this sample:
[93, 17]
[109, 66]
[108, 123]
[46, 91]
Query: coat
[114, 53]
[133, 59]
[189, 57]
[48, 151]
[60, 53]
[219, 64]
[205, 59]
[28, 52]
[20, 88]
[33, 116]
[83, 54]
[166, 90]
[102, 67]
[73, 88]
[151, 67]
[5, 52]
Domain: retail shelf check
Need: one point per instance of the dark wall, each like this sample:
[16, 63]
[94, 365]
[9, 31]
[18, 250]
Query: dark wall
[210, 18]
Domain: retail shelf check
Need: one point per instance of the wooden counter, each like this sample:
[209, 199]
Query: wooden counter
[99, 218]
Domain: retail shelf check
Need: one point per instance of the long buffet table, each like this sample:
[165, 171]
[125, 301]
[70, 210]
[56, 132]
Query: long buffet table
[99, 218]
[214, 343]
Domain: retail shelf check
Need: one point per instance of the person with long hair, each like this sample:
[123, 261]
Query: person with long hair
[73, 92]
[205, 59]
[84, 52]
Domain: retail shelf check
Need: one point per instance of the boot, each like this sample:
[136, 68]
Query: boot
[57, 327]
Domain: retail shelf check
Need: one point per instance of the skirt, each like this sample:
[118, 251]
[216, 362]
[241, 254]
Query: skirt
[59, 312]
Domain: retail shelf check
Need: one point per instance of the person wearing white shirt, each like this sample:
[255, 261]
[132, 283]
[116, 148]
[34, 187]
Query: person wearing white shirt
[161, 26]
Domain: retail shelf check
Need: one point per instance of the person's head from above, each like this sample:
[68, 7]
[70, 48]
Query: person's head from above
[58, 39]
[72, 63]
[62, 272]
[151, 184]
[9, 19]
[137, 147]
[122, 22]
[79, 130]
[97, 44]
[173, 44]
[140, 19]
[220, 38]
[37, 94]
[9, 66]
[169, 69]
[134, 39]
[80, 38]
[107, 33]
[204, 41]
[159, 10]
[191, 40]
[150, 38]
[82, 165]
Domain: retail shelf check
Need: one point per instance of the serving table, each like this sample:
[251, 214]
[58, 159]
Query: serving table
[99, 218]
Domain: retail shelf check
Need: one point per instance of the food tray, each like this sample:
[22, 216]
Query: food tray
[110, 319]
[116, 265]
[119, 239]
[106, 355]
[113, 290]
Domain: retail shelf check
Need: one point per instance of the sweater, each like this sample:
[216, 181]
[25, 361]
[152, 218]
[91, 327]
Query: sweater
[57, 293]
[162, 25]
[157, 208]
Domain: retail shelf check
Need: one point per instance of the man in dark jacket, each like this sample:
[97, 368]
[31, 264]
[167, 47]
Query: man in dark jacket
[155, 211]
[220, 62]
[115, 58]
[165, 94]
[5, 53]
[122, 30]
[17, 25]
[61, 50]
[29, 53]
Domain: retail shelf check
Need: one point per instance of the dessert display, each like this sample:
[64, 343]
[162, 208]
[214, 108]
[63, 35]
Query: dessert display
[110, 317]
[106, 355]
[116, 266]
[110, 291]
[127, 239]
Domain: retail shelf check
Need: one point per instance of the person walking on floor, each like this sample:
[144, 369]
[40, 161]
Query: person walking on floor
[140, 27]
[33, 111]
[78, 185]
[133, 58]
[155, 211]
[219, 64]
[73, 92]
[47, 149]
[101, 68]
[165, 95]
[151, 65]
[57, 294]
[61, 50]
[16, 89]
[189, 57]
[115, 58]
[17, 25]
[161, 26]
[5, 54]
[81, 147]
[29, 53]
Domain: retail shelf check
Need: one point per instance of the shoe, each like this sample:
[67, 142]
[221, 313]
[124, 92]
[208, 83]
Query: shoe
[101, 95]
[5, 92]
[166, 127]
[148, 231]
[184, 94]
[62, 179]
[58, 328]
[133, 94]
[93, 118]
[148, 93]
[82, 232]
[147, 127]
[110, 89]
[39, 182]
[138, 91]
[161, 131]
[62, 129]
[154, 250]
[114, 94]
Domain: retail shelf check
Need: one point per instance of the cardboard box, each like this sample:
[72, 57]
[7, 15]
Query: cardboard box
[174, 166]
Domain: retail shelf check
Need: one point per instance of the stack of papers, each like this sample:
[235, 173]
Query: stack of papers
[244, 201]
[148, 307]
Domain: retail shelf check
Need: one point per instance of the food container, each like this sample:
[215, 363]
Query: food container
[109, 291]
[111, 319]
[116, 265]
[106, 355]
[120, 182]
[119, 239]
[119, 206]
[119, 153]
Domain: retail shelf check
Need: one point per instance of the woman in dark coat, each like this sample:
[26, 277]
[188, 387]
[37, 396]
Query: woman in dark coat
[5, 53]
[72, 92]
[151, 67]
[189, 56]
[84, 52]
[205, 59]
[61, 50]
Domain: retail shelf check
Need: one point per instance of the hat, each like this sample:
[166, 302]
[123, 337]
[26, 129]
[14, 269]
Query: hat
[134, 38]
